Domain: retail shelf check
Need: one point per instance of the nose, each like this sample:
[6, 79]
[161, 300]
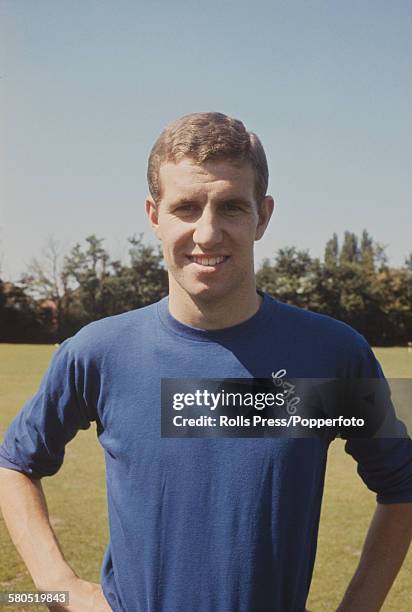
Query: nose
[208, 231]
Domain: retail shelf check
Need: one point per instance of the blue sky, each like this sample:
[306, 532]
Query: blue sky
[87, 86]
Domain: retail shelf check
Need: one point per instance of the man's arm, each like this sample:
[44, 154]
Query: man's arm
[25, 513]
[384, 550]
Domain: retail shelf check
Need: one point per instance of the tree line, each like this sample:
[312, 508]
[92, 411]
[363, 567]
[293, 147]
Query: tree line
[60, 293]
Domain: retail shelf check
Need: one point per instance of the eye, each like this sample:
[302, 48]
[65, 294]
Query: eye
[231, 208]
[185, 209]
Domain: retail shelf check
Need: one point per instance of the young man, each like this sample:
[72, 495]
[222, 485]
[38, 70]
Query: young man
[209, 524]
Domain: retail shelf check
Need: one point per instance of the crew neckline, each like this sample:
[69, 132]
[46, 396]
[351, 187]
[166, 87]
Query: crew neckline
[251, 325]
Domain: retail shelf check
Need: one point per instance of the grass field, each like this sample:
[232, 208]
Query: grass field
[77, 498]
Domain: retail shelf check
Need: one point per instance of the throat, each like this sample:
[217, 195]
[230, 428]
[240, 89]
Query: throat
[214, 314]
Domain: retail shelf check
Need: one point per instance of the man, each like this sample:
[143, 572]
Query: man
[212, 524]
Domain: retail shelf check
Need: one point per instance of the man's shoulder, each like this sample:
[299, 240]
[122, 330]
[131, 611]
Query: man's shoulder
[320, 343]
[114, 332]
[313, 321]
[304, 325]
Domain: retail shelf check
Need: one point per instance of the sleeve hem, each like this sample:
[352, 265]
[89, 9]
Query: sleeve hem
[6, 463]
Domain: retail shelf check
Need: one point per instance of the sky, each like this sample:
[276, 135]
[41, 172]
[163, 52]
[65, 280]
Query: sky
[86, 86]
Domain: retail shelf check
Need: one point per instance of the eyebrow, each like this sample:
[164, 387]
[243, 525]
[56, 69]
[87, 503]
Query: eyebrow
[183, 201]
[235, 200]
[222, 200]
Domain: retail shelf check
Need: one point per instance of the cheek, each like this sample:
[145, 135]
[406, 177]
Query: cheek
[176, 238]
[243, 234]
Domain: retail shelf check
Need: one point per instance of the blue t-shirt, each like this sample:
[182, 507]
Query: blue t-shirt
[205, 524]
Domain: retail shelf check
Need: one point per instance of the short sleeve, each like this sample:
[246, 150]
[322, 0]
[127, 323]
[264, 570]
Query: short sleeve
[384, 463]
[35, 441]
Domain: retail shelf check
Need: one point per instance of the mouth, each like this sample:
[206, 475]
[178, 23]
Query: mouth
[208, 261]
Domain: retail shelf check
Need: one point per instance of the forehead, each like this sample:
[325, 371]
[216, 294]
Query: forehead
[189, 179]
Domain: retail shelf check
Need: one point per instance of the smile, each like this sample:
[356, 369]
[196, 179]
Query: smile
[203, 260]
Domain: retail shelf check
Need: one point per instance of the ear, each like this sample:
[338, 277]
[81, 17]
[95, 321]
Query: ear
[152, 211]
[265, 212]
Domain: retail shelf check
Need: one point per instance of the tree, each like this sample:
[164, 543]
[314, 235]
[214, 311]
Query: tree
[20, 320]
[147, 273]
[353, 284]
[290, 277]
[85, 274]
[408, 262]
[350, 250]
[142, 282]
[46, 282]
[59, 295]
[100, 287]
[331, 254]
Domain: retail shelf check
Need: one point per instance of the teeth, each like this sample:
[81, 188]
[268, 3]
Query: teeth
[208, 261]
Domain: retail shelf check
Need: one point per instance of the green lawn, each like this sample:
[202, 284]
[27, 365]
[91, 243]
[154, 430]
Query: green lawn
[81, 525]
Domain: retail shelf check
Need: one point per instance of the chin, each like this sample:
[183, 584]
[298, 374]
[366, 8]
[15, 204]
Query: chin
[208, 293]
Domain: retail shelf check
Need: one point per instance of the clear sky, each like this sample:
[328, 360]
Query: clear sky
[87, 86]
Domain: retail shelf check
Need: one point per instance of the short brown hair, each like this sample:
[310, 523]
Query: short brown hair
[208, 136]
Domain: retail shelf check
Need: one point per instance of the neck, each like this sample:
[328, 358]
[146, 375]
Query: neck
[213, 314]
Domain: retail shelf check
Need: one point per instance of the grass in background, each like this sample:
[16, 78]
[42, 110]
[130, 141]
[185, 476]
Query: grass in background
[77, 498]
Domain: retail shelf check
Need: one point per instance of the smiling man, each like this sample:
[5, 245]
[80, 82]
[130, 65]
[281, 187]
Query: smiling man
[209, 523]
[208, 178]
[208, 220]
